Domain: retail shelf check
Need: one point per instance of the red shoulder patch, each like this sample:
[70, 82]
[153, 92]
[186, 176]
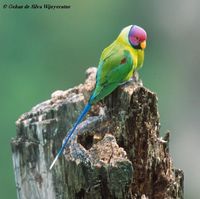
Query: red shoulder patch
[123, 61]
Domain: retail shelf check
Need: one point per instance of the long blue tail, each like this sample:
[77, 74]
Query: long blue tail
[81, 116]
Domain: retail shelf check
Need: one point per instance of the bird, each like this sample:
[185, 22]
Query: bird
[118, 62]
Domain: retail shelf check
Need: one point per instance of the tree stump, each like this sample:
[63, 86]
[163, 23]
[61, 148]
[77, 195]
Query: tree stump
[116, 151]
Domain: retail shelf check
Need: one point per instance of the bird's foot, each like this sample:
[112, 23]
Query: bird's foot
[135, 77]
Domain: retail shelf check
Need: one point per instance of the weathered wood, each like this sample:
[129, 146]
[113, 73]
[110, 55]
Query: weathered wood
[117, 154]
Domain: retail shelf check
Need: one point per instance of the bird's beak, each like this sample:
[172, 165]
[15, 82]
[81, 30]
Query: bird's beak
[143, 44]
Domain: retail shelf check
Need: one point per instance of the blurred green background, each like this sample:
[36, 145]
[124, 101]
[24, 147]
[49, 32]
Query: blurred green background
[42, 51]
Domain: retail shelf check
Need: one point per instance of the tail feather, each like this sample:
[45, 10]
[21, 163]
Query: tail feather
[84, 112]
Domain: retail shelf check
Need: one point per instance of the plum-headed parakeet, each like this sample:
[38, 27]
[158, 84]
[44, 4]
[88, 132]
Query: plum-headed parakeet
[117, 64]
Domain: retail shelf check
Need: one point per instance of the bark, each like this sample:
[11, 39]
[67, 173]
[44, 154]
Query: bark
[116, 151]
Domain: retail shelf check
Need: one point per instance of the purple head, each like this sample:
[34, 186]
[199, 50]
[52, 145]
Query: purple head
[137, 37]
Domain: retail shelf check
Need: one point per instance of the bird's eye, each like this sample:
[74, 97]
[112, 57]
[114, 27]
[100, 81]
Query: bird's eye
[137, 38]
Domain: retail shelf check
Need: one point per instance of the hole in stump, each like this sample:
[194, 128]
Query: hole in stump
[86, 141]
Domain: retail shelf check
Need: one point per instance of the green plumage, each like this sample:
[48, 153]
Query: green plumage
[117, 64]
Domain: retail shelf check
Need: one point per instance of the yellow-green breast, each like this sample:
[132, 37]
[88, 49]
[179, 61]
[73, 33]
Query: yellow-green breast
[136, 54]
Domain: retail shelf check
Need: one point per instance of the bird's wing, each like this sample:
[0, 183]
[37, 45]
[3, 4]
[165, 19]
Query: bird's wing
[113, 70]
